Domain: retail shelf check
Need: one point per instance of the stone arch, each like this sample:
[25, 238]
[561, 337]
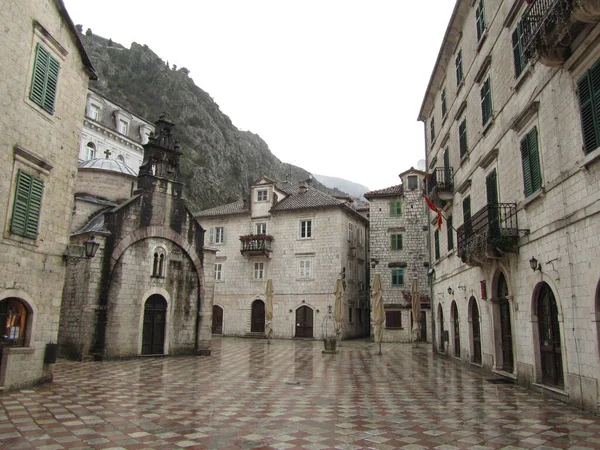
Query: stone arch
[257, 316]
[304, 319]
[163, 293]
[218, 318]
[548, 335]
[159, 256]
[474, 318]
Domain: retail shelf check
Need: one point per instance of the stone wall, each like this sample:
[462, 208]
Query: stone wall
[45, 146]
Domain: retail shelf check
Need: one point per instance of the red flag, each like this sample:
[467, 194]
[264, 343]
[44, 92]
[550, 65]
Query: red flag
[436, 210]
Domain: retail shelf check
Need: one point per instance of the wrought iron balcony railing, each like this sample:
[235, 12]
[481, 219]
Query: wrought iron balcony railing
[256, 244]
[488, 234]
[440, 185]
[548, 29]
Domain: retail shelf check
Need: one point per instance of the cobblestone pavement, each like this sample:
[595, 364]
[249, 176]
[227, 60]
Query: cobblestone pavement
[287, 395]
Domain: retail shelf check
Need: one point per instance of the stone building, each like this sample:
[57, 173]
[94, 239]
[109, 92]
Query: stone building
[146, 292]
[45, 73]
[398, 253]
[512, 133]
[303, 240]
[112, 132]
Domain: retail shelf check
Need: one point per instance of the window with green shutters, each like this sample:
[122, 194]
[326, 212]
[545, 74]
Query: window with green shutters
[459, 67]
[397, 277]
[486, 101]
[432, 128]
[27, 205]
[530, 157]
[436, 239]
[480, 19]
[395, 208]
[588, 87]
[44, 80]
[462, 138]
[396, 241]
[519, 56]
[450, 233]
[444, 106]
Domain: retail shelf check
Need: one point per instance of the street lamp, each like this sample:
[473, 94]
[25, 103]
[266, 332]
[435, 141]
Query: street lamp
[533, 263]
[76, 253]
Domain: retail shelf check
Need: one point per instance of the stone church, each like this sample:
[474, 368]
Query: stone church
[146, 291]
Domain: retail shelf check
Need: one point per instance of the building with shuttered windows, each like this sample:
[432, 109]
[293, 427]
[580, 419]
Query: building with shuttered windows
[514, 167]
[45, 74]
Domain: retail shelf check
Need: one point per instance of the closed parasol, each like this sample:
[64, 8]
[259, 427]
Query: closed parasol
[378, 311]
[416, 310]
[269, 310]
[338, 307]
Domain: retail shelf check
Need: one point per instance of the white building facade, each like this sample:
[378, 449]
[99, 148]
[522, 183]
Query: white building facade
[300, 238]
[112, 132]
[398, 254]
[512, 151]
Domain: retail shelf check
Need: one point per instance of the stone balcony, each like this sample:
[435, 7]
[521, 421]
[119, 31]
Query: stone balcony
[489, 234]
[551, 26]
[256, 245]
[440, 186]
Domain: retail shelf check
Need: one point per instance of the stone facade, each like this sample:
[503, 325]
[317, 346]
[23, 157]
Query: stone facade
[40, 124]
[523, 194]
[406, 256]
[303, 265]
[145, 292]
[111, 131]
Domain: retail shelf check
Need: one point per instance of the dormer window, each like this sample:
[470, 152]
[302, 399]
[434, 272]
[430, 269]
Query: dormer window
[413, 182]
[123, 125]
[94, 112]
[262, 195]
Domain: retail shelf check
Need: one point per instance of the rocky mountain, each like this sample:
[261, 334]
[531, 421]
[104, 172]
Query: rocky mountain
[220, 161]
[352, 188]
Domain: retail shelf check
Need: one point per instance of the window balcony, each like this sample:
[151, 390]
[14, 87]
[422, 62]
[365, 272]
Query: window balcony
[440, 186]
[489, 234]
[551, 26]
[256, 245]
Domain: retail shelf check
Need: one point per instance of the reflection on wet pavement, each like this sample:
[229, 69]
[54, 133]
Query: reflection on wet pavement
[287, 395]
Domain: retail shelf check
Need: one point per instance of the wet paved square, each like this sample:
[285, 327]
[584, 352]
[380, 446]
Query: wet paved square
[287, 395]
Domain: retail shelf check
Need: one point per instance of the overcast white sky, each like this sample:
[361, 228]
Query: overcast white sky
[333, 86]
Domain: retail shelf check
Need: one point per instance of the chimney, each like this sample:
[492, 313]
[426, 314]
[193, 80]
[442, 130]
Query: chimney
[302, 186]
[244, 202]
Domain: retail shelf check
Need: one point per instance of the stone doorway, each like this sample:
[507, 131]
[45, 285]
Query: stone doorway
[155, 320]
[304, 322]
[257, 319]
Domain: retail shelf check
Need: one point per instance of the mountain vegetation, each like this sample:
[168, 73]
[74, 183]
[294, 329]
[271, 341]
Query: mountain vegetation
[219, 161]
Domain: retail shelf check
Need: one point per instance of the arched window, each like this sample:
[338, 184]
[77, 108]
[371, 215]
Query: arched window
[158, 263]
[91, 150]
[13, 322]
[121, 159]
[549, 337]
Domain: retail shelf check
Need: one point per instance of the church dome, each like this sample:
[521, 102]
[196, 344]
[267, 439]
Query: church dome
[110, 165]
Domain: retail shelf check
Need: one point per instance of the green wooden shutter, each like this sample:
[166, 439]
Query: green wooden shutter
[45, 79]
[517, 52]
[491, 187]
[588, 103]
[38, 82]
[462, 132]
[486, 102]
[467, 209]
[459, 71]
[395, 208]
[396, 243]
[450, 233]
[27, 205]
[526, 168]
[436, 237]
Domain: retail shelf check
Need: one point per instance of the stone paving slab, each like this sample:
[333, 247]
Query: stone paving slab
[287, 395]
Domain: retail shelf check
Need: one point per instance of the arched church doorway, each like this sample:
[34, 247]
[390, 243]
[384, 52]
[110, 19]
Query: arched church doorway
[304, 322]
[549, 336]
[217, 320]
[155, 320]
[442, 332]
[257, 318]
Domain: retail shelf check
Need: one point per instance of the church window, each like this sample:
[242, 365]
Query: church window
[27, 205]
[91, 150]
[158, 264]
[44, 81]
